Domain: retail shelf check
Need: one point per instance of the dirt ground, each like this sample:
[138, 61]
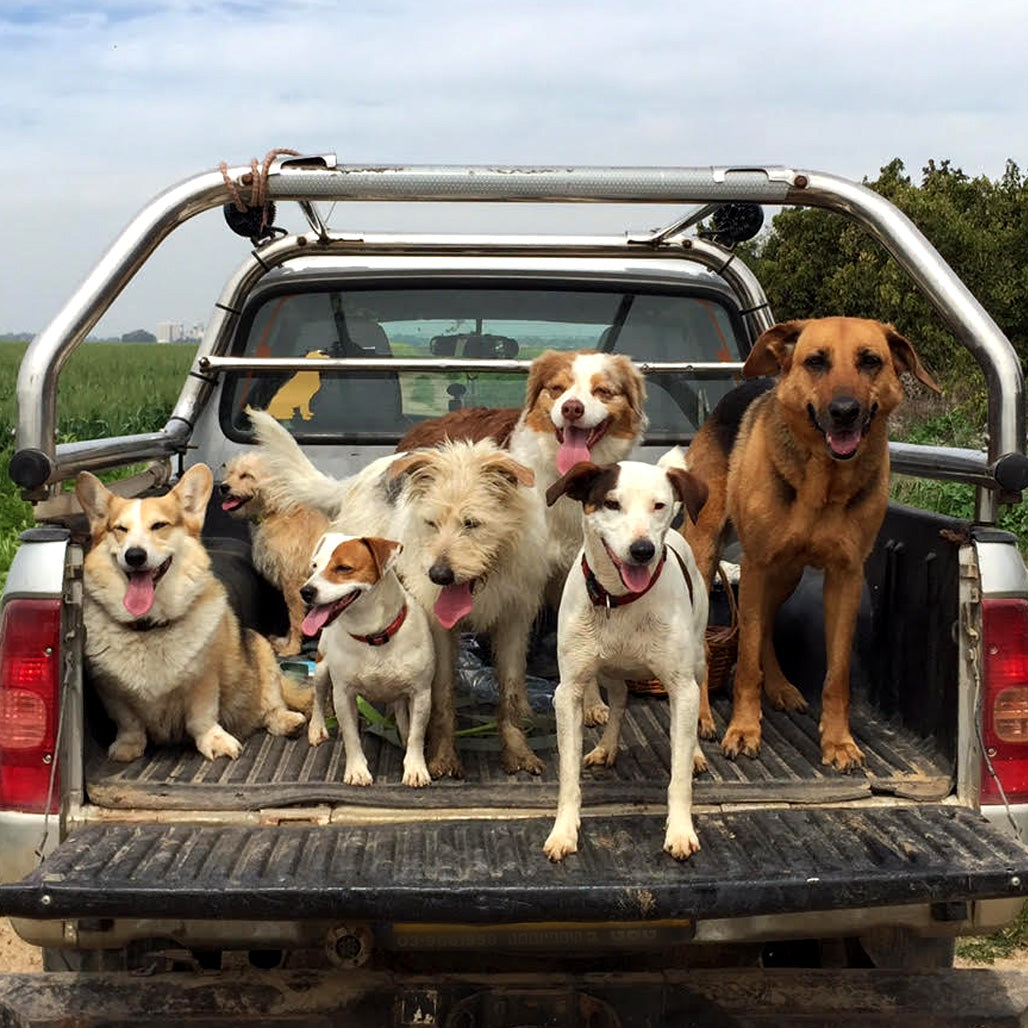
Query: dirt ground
[17, 956]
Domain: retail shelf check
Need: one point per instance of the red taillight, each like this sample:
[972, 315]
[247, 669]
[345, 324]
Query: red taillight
[1005, 700]
[30, 635]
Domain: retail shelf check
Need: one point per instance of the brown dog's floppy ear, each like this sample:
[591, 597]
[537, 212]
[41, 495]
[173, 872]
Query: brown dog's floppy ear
[510, 469]
[772, 352]
[382, 551]
[691, 491]
[576, 482]
[905, 359]
[411, 462]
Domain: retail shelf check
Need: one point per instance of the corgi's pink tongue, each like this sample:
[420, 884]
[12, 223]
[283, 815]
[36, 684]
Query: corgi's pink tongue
[454, 603]
[844, 443]
[316, 618]
[139, 594]
[635, 576]
[573, 449]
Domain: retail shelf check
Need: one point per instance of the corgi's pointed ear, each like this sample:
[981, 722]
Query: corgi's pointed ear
[905, 359]
[94, 497]
[690, 490]
[382, 551]
[193, 492]
[576, 482]
[772, 352]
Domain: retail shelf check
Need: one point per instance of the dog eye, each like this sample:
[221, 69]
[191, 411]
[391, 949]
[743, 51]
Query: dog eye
[612, 505]
[119, 528]
[343, 569]
[246, 474]
[471, 523]
[555, 390]
[603, 393]
[869, 362]
[659, 506]
[157, 525]
[816, 362]
[431, 524]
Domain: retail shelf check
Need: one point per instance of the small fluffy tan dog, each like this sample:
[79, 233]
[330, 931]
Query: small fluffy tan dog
[283, 537]
[169, 658]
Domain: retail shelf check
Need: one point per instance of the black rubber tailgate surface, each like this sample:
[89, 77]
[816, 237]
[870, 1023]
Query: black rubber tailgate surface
[276, 772]
[753, 862]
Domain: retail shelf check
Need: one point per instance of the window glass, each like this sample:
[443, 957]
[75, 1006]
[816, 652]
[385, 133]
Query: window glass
[483, 323]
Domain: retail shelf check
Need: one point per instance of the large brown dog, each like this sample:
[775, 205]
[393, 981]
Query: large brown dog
[802, 472]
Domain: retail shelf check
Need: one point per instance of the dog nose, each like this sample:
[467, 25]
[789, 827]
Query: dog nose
[441, 574]
[844, 411]
[572, 410]
[642, 550]
[135, 556]
[223, 488]
[307, 593]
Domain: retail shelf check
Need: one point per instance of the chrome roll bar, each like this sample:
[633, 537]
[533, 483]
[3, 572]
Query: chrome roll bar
[319, 178]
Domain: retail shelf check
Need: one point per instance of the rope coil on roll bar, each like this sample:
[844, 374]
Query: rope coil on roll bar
[258, 182]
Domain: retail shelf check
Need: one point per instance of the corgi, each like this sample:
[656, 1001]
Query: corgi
[167, 653]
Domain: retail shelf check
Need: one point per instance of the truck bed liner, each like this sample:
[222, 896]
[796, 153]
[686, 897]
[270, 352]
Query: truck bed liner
[752, 862]
[276, 772]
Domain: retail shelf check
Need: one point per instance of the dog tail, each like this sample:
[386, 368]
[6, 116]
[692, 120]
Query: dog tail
[294, 480]
[674, 458]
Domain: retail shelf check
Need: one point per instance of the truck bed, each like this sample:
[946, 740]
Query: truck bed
[277, 772]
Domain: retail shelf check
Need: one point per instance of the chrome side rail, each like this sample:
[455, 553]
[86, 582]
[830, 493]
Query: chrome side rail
[319, 178]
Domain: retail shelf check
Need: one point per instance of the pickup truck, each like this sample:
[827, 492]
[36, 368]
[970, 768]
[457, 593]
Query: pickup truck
[264, 887]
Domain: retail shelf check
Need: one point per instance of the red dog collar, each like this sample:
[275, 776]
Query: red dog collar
[381, 638]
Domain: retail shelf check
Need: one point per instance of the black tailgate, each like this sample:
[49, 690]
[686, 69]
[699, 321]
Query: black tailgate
[752, 862]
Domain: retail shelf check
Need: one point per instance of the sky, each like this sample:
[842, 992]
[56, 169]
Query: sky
[103, 105]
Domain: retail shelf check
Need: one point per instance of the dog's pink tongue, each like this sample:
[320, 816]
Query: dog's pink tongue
[231, 504]
[573, 449]
[454, 603]
[139, 594]
[315, 619]
[635, 576]
[844, 443]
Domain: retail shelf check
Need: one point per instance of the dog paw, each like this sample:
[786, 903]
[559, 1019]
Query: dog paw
[842, 754]
[560, 843]
[317, 734]
[596, 714]
[416, 776]
[445, 764]
[216, 742]
[521, 759]
[706, 729]
[126, 748]
[357, 776]
[599, 754]
[784, 695]
[284, 722]
[699, 762]
[681, 843]
[741, 739]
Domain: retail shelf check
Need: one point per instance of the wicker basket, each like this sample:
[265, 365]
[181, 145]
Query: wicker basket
[722, 646]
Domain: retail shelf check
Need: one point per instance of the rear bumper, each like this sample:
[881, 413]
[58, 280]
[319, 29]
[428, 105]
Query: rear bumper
[628, 1000]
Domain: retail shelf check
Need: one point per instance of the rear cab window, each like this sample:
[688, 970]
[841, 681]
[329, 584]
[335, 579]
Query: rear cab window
[473, 320]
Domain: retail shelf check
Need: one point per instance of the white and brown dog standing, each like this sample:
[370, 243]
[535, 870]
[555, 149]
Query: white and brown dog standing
[635, 607]
[375, 642]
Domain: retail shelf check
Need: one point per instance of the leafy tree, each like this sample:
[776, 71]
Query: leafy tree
[139, 335]
[815, 263]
